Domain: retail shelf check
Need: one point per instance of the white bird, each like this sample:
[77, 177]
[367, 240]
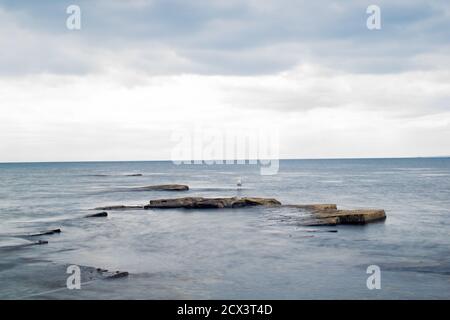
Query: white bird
[239, 183]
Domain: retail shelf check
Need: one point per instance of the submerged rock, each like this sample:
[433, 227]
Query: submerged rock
[92, 273]
[163, 187]
[97, 215]
[316, 222]
[35, 234]
[314, 207]
[45, 233]
[105, 274]
[205, 203]
[117, 274]
[120, 207]
[16, 243]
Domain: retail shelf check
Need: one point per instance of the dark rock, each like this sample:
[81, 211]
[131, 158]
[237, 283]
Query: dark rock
[120, 207]
[134, 175]
[322, 231]
[105, 274]
[163, 187]
[117, 274]
[97, 215]
[44, 233]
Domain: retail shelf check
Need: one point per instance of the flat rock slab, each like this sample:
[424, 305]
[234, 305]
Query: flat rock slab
[210, 203]
[359, 216]
[163, 187]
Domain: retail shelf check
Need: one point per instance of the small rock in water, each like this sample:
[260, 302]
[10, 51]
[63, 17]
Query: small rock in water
[105, 274]
[44, 233]
[97, 215]
[118, 274]
[120, 207]
[163, 187]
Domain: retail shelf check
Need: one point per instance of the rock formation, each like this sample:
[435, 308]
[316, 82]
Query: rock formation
[314, 214]
[204, 203]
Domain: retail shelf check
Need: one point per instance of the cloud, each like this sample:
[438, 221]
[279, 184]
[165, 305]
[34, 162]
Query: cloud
[320, 113]
[222, 37]
[140, 69]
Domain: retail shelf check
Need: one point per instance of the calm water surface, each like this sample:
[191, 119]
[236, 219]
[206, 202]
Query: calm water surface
[227, 254]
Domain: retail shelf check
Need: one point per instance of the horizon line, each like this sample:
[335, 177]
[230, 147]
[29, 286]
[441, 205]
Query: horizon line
[281, 159]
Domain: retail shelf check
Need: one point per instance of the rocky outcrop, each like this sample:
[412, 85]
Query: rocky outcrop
[163, 187]
[97, 215]
[359, 216]
[316, 214]
[332, 217]
[205, 203]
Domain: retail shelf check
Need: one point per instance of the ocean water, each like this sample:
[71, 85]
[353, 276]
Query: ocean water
[259, 253]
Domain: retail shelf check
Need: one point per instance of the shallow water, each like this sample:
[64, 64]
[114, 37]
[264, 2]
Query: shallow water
[239, 253]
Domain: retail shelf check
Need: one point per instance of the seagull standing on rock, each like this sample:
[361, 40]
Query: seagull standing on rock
[239, 183]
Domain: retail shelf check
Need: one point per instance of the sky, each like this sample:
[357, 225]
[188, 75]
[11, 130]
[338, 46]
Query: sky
[139, 71]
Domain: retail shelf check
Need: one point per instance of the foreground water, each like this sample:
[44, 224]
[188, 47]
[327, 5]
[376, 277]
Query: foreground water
[227, 254]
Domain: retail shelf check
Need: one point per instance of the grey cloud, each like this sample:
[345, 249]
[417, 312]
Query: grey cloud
[221, 37]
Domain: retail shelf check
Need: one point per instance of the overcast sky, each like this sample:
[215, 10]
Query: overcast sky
[139, 70]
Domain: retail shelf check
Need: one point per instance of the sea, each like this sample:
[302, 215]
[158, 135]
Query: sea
[242, 253]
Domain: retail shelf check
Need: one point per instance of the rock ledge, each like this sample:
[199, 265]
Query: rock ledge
[204, 203]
